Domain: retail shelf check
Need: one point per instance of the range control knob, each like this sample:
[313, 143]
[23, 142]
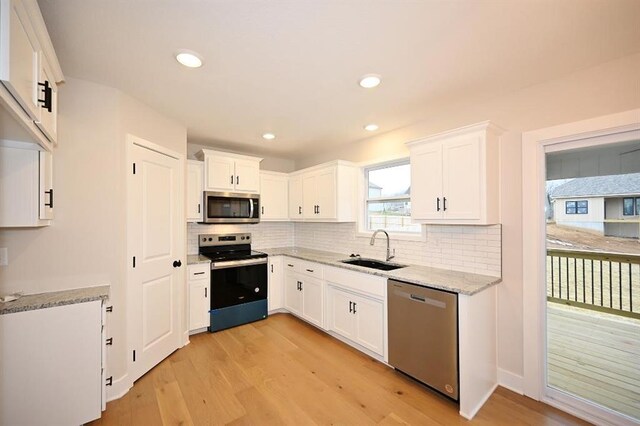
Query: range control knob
[210, 239]
[242, 238]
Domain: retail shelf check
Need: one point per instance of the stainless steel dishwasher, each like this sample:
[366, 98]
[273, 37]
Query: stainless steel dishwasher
[423, 335]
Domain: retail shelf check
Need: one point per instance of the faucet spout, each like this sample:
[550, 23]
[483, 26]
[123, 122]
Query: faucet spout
[373, 240]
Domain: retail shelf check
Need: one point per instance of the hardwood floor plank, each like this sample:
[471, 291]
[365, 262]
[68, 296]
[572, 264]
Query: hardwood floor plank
[284, 371]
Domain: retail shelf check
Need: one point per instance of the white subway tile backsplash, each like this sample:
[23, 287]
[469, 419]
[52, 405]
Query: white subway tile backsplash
[474, 249]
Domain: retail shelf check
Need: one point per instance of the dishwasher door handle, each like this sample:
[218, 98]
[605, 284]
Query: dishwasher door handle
[420, 299]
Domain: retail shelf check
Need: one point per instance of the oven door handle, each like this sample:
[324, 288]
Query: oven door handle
[236, 263]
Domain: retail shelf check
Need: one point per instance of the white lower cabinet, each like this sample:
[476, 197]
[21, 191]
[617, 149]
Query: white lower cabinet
[304, 290]
[51, 364]
[199, 297]
[276, 283]
[357, 318]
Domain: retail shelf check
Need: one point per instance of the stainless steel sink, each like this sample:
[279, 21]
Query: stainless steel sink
[372, 263]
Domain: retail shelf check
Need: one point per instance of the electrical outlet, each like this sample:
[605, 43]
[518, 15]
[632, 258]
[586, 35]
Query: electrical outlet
[4, 256]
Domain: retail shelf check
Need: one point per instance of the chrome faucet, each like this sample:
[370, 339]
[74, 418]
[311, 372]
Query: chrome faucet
[373, 240]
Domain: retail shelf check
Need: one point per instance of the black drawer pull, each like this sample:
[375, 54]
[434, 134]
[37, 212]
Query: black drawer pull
[309, 270]
[198, 273]
[289, 265]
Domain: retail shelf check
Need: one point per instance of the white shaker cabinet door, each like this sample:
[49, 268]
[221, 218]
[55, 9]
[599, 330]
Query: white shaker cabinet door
[312, 301]
[247, 176]
[326, 194]
[296, 208]
[369, 316]
[426, 182]
[292, 294]
[461, 178]
[198, 304]
[274, 197]
[194, 190]
[219, 172]
[340, 313]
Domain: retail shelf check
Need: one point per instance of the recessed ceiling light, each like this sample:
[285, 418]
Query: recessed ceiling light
[371, 127]
[370, 80]
[189, 59]
[269, 136]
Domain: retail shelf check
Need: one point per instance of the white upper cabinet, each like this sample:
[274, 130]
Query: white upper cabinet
[227, 172]
[295, 197]
[274, 196]
[29, 71]
[328, 193]
[195, 171]
[454, 176]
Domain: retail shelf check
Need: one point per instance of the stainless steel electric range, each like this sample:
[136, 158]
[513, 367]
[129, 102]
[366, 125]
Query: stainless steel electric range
[238, 280]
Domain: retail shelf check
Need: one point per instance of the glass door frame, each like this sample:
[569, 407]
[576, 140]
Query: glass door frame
[595, 132]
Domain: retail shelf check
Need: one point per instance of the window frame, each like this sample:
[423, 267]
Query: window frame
[572, 207]
[633, 206]
[363, 190]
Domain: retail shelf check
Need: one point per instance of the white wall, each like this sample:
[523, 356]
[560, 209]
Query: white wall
[604, 89]
[274, 164]
[85, 245]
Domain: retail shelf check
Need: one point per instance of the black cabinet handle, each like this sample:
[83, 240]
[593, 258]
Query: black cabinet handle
[198, 207]
[354, 307]
[272, 268]
[46, 102]
[289, 265]
[350, 308]
[299, 209]
[237, 180]
[309, 270]
[438, 204]
[50, 203]
[205, 292]
[262, 210]
[177, 263]
[199, 273]
[444, 204]
[318, 208]
[231, 179]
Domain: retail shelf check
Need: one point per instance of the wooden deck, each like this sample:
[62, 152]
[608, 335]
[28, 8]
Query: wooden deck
[595, 356]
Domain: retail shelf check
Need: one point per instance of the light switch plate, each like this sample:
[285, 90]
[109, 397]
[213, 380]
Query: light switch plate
[4, 256]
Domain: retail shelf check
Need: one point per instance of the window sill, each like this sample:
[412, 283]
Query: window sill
[396, 235]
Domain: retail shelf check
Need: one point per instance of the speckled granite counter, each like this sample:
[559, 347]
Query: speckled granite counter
[455, 281]
[31, 302]
[194, 259]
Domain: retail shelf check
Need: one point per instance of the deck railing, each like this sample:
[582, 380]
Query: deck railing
[606, 282]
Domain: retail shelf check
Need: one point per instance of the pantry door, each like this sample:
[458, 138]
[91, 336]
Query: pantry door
[156, 263]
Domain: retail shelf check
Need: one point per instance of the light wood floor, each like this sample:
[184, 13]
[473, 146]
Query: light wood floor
[596, 356]
[283, 371]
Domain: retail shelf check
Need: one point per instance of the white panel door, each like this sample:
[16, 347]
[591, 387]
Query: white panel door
[461, 180]
[326, 194]
[219, 173]
[274, 200]
[426, 182]
[46, 185]
[19, 66]
[369, 316]
[312, 301]
[194, 191]
[155, 284]
[341, 318]
[247, 176]
[292, 293]
[296, 209]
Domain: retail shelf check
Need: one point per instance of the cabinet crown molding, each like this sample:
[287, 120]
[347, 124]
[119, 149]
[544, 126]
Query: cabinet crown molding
[200, 155]
[323, 165]
[483, 126]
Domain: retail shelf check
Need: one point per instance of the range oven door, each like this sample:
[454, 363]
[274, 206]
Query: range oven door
[230, 207]
[238, 282]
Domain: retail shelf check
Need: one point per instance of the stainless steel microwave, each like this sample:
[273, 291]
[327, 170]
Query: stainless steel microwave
[231, 207]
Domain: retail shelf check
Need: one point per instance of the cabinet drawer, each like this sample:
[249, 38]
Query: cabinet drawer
[291, 264]
[358, 281]
[198, 271]
[311, 269]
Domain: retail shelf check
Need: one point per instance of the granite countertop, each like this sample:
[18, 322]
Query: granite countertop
[194, 259]
[458, 282]
[31, 302]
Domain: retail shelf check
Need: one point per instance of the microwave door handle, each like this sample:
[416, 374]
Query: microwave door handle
[250, 208]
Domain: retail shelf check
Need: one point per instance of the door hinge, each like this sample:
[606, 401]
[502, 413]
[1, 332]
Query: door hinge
[109, 341]
[134, 261]
[134, 168]
[109, 381]
[109, 308]
[134, 356]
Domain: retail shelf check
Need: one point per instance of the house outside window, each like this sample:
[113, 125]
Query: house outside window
[388, 198]
[577, 207]
[631, 206]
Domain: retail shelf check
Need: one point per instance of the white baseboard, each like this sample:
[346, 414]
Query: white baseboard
[474, 411]
[118, 388]
[511, 381]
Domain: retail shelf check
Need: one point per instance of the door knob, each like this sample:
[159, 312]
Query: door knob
[177, 263]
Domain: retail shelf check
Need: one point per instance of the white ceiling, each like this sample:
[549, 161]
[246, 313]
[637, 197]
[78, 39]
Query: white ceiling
[292, 67]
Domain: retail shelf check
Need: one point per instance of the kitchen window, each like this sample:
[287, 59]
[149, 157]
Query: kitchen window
[577, 207]
[631, 206]
[387, 201]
